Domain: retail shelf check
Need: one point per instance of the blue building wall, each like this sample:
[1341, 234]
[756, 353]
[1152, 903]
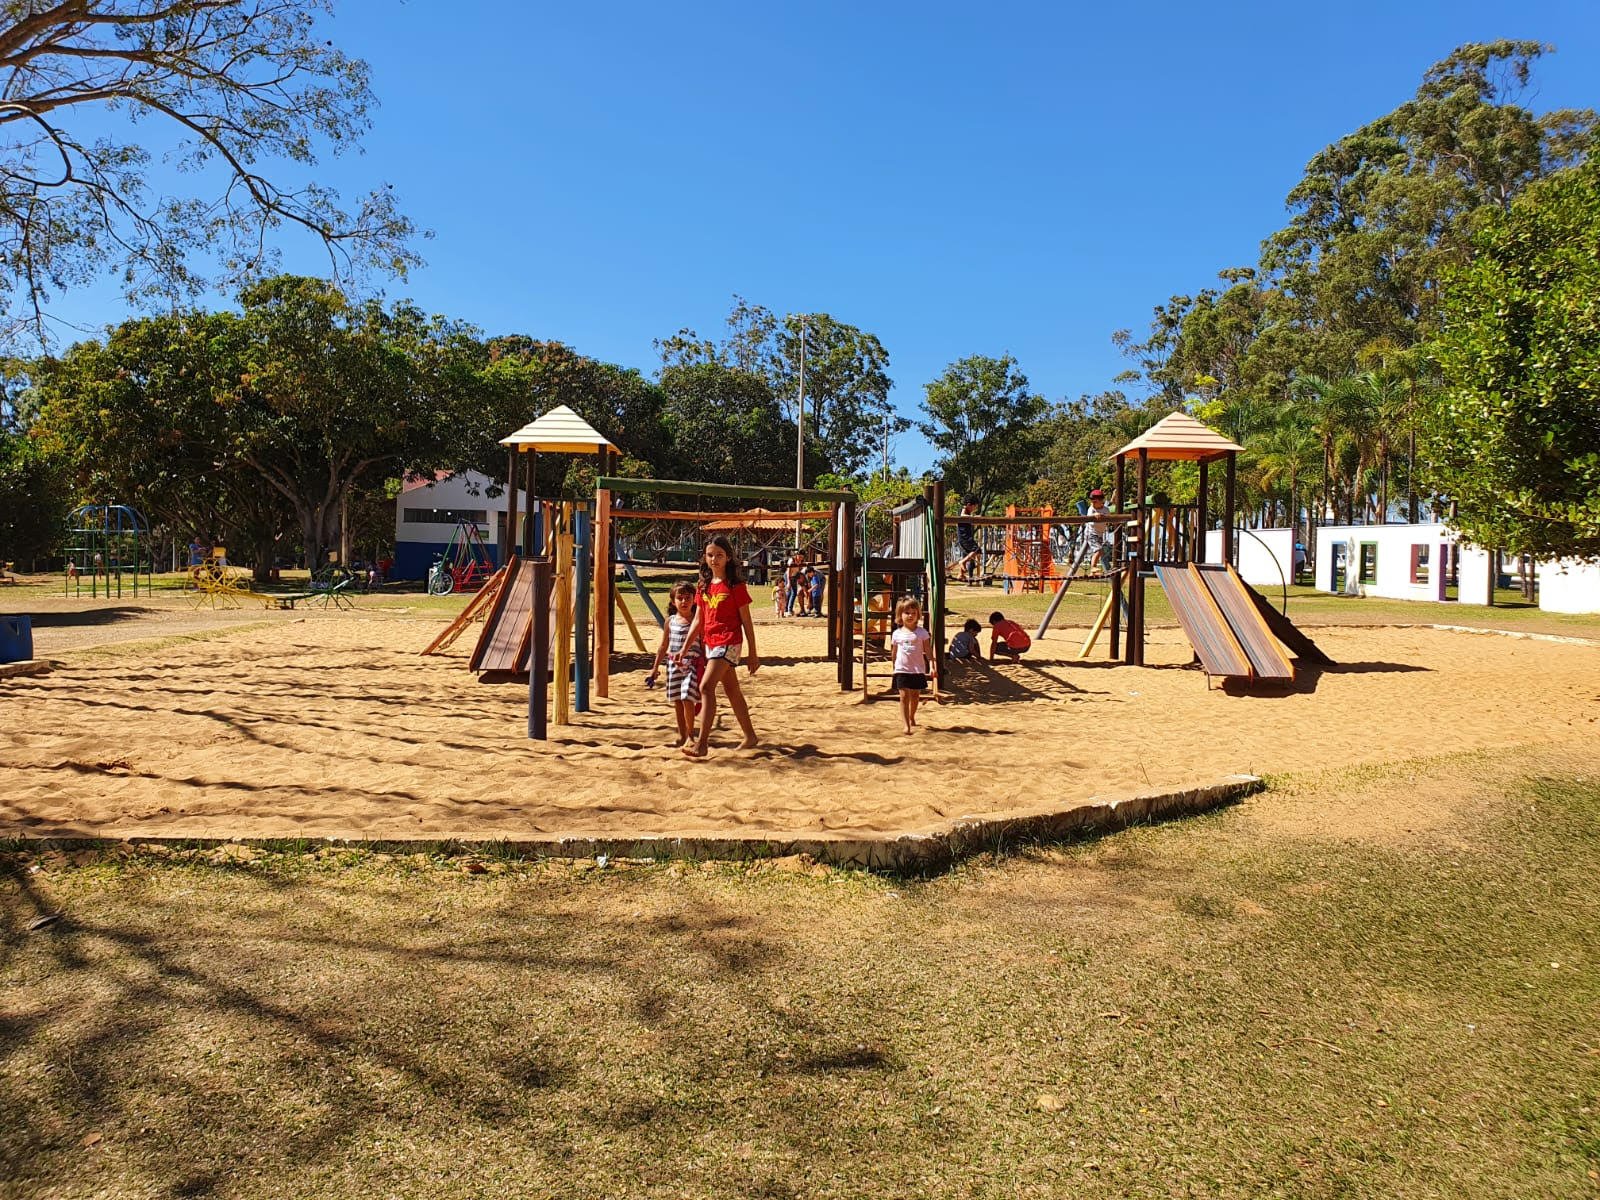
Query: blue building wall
[412, 559]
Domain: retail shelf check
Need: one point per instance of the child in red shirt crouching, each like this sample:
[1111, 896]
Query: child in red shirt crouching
[1006, 637]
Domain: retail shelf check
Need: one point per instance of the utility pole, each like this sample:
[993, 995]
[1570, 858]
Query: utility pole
[800, 423]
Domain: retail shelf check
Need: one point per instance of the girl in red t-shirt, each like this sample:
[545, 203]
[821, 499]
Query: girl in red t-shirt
[722, 622]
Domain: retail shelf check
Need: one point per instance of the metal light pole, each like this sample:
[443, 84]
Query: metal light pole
[800, 423]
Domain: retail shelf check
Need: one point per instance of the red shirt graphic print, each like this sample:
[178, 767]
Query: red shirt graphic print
[722, 605]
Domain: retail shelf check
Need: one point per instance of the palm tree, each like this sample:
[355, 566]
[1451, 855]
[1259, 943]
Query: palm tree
[1287, 453]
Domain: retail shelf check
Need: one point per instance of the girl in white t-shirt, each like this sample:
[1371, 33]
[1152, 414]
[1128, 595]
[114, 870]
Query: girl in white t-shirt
[914, 661]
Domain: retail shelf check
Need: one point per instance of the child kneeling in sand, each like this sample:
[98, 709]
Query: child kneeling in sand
[1006, 637]
[965, 644]
[914, 662]
[722, 622]
[685, 661]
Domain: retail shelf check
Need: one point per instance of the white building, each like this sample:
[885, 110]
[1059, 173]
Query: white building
[426, 512]
[1265, 556]
[1411, 562]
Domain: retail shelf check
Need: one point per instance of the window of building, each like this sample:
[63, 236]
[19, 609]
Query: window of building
[1369, 563]
[445, 516]
[1419, 564]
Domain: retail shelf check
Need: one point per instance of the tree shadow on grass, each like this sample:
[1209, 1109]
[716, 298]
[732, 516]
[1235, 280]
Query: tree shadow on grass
[208, 1031]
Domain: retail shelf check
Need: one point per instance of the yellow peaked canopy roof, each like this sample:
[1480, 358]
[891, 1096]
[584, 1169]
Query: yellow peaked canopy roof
[559, 431]
[1179, 437]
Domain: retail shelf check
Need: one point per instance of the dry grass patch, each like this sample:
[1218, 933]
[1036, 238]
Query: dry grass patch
[1215, 1007]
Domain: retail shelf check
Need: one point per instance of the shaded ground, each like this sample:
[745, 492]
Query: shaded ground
[1287, 998]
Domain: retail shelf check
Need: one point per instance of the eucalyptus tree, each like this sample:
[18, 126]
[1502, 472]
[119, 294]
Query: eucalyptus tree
[241, 97]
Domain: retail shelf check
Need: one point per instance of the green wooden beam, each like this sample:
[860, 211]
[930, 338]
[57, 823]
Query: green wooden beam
[734, 491]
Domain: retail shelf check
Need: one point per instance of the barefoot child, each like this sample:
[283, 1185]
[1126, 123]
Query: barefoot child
[913, 659]
[684, 661]
[722, 622]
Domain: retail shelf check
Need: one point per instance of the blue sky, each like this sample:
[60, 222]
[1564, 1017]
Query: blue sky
[1000, 178]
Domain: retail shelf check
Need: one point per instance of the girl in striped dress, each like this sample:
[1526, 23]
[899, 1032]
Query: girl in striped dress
[683, 675]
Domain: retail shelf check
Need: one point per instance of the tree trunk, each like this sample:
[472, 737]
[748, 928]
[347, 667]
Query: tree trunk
[262, 572]
[1411, 473]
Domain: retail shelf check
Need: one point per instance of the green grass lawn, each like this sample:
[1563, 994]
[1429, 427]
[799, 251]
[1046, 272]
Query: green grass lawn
[1237, 1005]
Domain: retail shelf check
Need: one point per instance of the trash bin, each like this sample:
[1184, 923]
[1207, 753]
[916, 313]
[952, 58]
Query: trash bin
[16, 639]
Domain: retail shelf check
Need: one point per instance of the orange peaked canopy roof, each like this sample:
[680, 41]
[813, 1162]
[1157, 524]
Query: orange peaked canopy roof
[1178, 437]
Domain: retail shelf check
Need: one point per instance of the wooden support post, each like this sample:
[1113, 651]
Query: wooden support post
[1227, 509]
[608, 459]
[638, 640]
[1199, 552]
[508, 539]
[1136, 629]
[583, 577]
[847, 597]
[539, 650]
[527, 519]
[602, 593]
[562, 658]
[1119, 555]
[936, 567]
[831, 591]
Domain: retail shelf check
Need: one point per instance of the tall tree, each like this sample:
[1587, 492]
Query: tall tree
[848, 412]
[241, 95]
[726, 426]
[1513, 435]
[301, 397]
[987, 425]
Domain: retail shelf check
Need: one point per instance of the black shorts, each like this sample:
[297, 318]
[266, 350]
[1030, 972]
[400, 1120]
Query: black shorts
[909, 681]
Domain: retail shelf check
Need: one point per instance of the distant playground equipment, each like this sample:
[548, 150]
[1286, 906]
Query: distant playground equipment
[915, 568]
[465, 564]
[213, 582]
[108, 543]
[1235, 633]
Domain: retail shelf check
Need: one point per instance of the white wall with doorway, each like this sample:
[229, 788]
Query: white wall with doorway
[1266, 556]
[1396, 562]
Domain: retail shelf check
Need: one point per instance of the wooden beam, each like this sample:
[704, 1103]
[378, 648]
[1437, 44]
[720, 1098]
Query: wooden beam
[583, 576]
[737, 491]
[671, 514]
[1037, 521]
[1141, 552]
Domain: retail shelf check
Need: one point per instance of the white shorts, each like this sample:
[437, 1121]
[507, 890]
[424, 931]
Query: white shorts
[728, 653]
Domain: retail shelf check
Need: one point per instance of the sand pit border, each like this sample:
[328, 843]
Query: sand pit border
[26, 666]
[900, 853]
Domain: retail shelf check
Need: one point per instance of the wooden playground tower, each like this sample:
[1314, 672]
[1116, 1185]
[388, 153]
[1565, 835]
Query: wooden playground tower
[1234, 631]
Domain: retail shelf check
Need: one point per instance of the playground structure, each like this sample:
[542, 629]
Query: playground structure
[840, 516]
[465, 565]
[107, 542]
[1234, 631]
[916, 568]
[560, 584]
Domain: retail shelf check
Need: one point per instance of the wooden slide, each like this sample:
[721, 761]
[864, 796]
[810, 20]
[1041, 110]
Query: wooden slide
[1203, 623]
[1244, 620]
[502, 645]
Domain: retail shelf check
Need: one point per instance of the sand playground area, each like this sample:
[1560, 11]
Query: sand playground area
[330, 724]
